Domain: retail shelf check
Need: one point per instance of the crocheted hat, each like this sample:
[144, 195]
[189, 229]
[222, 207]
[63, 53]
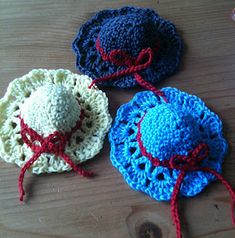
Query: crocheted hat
[169, 147]
[121, 43]
[50, 122]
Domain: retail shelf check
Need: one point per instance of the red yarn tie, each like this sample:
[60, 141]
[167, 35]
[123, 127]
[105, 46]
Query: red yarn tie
[191, 162]
[174, 198]
[134, 66]
[55, 144]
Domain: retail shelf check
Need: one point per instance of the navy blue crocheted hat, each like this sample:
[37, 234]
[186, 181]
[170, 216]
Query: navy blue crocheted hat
[114, 41]
[168, 146]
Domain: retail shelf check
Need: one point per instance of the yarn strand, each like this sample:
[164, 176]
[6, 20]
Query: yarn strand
[75, 167]
[22, 174]
[228, 187]
[135, 65]
[174, 204]
[53, 144]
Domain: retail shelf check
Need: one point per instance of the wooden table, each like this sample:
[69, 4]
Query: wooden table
[38, 34]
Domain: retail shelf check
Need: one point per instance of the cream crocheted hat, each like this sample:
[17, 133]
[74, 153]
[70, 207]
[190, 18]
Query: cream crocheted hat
[54, 116]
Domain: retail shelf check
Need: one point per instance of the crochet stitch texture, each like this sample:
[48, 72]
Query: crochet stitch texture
[51, 108]
[166, 129]
[41, 90]
[131, 30]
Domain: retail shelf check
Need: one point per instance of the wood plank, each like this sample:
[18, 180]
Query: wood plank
[38, 34]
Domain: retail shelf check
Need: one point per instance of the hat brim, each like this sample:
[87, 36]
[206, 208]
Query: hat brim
[84, 144]
[127, 158]
[89, 61]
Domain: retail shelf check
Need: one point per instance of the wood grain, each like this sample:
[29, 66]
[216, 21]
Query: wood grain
[38, 34]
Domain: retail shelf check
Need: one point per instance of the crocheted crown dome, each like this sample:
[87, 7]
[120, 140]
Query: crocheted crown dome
[167, 131]
[51, 108]
[130, 30]
[131, 33]
[148, 130]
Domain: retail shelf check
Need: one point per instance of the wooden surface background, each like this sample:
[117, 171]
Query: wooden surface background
[38, 34]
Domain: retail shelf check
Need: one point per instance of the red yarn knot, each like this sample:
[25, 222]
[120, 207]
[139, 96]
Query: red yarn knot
[134, 66]
[185, 163]
[191, 161]
[55, 144]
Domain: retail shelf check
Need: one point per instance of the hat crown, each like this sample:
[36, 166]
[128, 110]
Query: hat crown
[168, 131]
[131, 33]
[50, 108]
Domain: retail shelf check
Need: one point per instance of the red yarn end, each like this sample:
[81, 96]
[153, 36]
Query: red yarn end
[85, 173]
[228, 187]
[92, 84]
[22, 193]
[21, 189]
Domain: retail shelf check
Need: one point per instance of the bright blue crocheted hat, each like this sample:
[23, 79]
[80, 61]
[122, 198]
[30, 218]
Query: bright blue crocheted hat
[130, 30]
[151, 137]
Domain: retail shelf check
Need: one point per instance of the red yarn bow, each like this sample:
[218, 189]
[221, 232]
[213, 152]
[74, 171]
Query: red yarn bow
[134, 66]
[191, 161]
[185, 163]
[55, 144]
